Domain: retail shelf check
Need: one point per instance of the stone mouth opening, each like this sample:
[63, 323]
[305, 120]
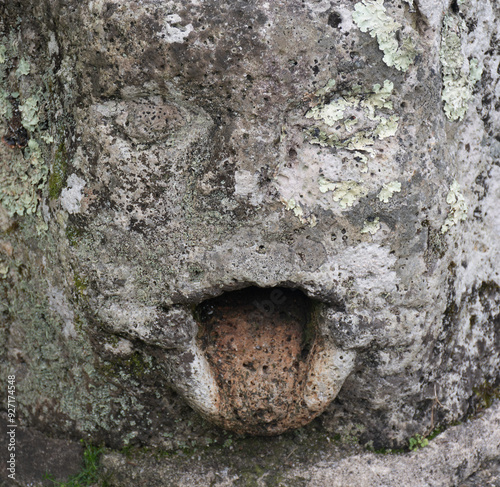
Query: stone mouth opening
[258, 343]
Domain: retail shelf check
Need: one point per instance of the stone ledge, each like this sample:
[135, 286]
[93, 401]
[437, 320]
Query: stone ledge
[471, 448]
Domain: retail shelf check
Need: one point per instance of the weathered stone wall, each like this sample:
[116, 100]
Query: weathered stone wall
[158, 154]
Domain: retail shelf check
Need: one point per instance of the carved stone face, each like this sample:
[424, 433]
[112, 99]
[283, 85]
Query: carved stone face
[227, 147]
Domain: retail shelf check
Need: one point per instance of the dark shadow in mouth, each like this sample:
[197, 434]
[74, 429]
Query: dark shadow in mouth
[263, 308]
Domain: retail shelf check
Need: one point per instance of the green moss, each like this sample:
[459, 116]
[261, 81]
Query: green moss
[80, 283]
[58, 171]
[73, 234]
[435, 432]
[137, 365]
[416, 442]
[88, 476]
[486, 394]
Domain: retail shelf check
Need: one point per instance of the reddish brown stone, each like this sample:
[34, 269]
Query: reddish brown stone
[257, 342]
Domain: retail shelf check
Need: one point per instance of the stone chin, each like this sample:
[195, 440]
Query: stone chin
[258, 362]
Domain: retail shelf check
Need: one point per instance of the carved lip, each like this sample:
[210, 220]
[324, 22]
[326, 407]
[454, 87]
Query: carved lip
[199, 296]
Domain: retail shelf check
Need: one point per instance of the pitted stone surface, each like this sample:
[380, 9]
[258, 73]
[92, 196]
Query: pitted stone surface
[179, 150]
[259, 351]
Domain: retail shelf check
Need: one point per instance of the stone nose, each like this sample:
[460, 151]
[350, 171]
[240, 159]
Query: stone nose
[259, 365]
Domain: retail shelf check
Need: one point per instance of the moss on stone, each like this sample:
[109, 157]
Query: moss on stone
[486, 394]
[80, 283]
[136, 365]
[73, 234]
[58, 171]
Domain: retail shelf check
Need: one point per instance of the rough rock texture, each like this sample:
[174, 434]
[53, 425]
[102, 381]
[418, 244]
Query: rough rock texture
[164, 153]
[38, 455]
[449, 460]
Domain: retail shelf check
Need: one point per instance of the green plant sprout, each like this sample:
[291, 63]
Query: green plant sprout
[417, 442]
[88, 476]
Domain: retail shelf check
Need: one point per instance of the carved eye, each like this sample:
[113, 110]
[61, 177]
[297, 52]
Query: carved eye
[151, 121]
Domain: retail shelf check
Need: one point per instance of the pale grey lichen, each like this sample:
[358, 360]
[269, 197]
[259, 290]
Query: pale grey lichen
[29, 111]
[378, 98]
[345, 192]
[21, 179]
[458, 210]
[387, 127]
[411, 5]
[3, 51]
[172, 31]
[371, 227]
[459, 76]
[388, 189]
[4, 270]
[23, 68]
[370, 16]
[72, 195]
[5, 105]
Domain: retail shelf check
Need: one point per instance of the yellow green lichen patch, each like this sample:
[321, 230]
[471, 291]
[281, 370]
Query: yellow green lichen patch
[353, 121]
[298, 211]
[388, 189]
[387, 127]
[345, 192]
[371, 227]
[371, 16]
[458, 210]
[378, 98]
[292, 205]
[459, 76]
